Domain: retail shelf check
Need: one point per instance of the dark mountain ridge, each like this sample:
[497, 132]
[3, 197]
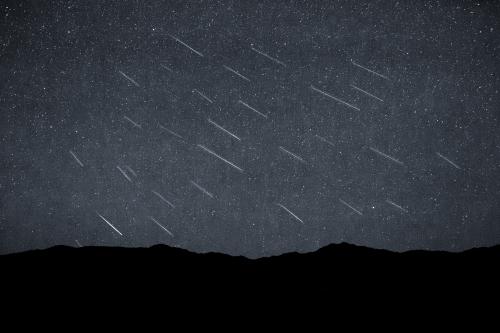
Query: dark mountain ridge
[327, 267]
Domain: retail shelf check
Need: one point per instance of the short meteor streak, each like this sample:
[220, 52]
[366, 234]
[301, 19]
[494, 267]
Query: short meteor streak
[292, 154]
[186, 45]
[325, 140]
[124, 173]
[236, 73]
[219, 157]
[386, 156]
[334, 98]
[109, 223]
[366, 92]
[448, 160]
[269, 57]
[290, 212]
[369, 70]
[203, 96]
[129, 78]
[76, 158]
[251, 108]
[167, 68]
[163, 199]
[202, 189]
[169, 131]
[130, 170]
[161, 226]
[396, 205]
[78, 243]
[132, 122]
[354, 209]
[223, 129]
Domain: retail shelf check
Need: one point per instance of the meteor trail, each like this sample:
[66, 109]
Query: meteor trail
[76, 158]
[448, 160]
[129, 78]
[366, 92]
[223, 129]
[290, 212]
[268, 56]
[203, 95]
[251, 108]
[369, 70]
[186, 45]
[386, 156]
[109, 223]
[292, 154]
[167, 68]
[354, 209]
[169, 131]
[130, 170]
[202, 189]
[396, 205]
[161, 226]
[132, 122]
[236, 73]
[219, 157]
[124, 173]
[325, 140]
[334, 98]
[163, 199]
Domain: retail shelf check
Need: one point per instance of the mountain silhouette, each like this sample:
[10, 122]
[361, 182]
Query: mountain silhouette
[336, 268]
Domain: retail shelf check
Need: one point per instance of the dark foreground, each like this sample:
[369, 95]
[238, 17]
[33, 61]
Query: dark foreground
[338, 269]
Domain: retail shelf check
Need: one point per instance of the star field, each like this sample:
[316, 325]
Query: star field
[250, 128]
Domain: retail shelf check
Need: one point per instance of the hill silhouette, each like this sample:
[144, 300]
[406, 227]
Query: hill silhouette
[332, 268]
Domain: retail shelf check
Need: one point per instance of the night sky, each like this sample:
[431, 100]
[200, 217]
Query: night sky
[249, 127]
